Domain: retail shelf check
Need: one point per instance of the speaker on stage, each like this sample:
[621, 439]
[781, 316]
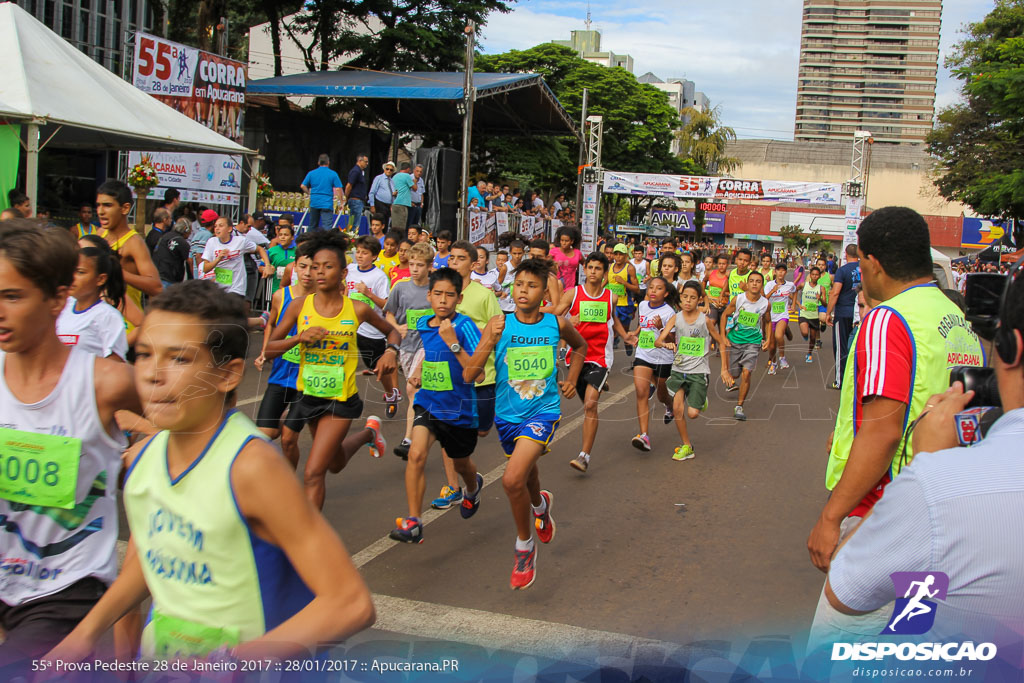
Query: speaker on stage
[442, 169]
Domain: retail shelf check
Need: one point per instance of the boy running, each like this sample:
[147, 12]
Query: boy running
[444, 241]
[507, 273]
[738, 276]
[325, 324]
[445, 404]
[781, 297]
[61, 451]
[406, 305]
[528, 406]
[623, 283]
[388, 258]
[401, 271]
[367, 283]
[810, 295]
[691, 372]
[591, 308]
[113, 204]
[745, 338]
[238, 513]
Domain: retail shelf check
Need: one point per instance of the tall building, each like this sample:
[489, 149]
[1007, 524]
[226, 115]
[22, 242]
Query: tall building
[681, 92]
[868, 65]
[587, 44]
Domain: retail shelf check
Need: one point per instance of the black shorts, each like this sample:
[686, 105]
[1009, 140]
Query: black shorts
[35, 627]
[485, 407]
[714, 313]
[276, 400]
[812, 323]
[457, 442]
[660, 371]
[370, 349]
[593, 375]
[311, 408]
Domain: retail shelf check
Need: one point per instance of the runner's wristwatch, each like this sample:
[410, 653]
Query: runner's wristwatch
[395, 348]
[455, 348]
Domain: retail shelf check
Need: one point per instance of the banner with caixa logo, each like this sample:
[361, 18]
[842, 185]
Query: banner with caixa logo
[215, 178]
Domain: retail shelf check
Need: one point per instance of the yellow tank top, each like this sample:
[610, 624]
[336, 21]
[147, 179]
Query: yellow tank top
[327, 369]
[617, 283]
[132, 293]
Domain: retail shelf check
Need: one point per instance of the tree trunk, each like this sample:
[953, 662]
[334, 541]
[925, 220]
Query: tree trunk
[270, 9]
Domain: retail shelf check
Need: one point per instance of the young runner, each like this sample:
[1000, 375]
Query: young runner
[367, 283]
[224, 262]
[88, 321]
[668, 246]
[61, 451]
[716, 286]
[745, 338]
[825, 280]
[445, 404]
[652, 364]
[706, 265]
[766, 268]
[506, 275]
[691, 371]
[529, 408]
[686, 270]
[591, 308]
[781, 298]
[810, 295]
[670, 266]
[214, 511]
[282, 253]
[131, 313]
[738, 275]
[640, 264]
[623, 283]
[326, 325]
[444, 242]
[113, 204]
[540, 249]
[84, 226]
[282, 386]
[480, 304]
[401, 271]
[388, 258]
[378, 224]
[488, 277]
[406, 305]
[567, 256]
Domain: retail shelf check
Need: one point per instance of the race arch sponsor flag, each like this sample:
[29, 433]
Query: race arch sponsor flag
[707, 187]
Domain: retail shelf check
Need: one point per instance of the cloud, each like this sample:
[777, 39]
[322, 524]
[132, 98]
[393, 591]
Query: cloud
[742, 54]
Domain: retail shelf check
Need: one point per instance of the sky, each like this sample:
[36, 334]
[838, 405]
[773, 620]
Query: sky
[743, 54]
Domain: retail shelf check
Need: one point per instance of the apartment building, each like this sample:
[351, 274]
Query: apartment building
[868, 65]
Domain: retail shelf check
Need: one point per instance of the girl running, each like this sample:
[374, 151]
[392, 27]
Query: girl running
[567, 256]
[687, 272]
[669, 268]
[88, 321]
[652, 365]
[781, 297]
[326, 325]
[127, 307]
[810, 295]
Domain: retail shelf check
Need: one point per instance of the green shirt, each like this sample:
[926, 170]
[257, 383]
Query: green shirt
[279, 257]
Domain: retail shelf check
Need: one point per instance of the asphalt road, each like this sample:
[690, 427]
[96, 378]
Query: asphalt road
[679, 552]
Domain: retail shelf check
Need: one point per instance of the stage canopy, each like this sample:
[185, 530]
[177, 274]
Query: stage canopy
[431, 102]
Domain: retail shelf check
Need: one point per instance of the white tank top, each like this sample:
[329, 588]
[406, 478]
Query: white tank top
[648, 333]
[46, 549]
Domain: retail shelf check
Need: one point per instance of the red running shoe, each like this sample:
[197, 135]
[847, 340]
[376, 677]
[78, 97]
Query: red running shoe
[524, 571]
[545, 525]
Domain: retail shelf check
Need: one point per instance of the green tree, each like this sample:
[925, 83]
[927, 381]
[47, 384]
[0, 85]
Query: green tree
[638, 121]
[795, 239]
[980, 142]
[704, 139]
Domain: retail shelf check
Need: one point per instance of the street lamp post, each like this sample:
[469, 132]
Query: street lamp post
[466, 109]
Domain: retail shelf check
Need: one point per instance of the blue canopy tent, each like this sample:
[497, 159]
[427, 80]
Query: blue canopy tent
[433, 102]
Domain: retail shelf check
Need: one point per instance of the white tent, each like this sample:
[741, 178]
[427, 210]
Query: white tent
[66, 98]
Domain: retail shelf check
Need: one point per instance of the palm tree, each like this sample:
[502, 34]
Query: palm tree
[704, 139]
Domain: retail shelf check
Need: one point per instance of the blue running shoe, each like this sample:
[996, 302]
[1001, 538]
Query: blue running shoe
[470, 505]
[448, 497]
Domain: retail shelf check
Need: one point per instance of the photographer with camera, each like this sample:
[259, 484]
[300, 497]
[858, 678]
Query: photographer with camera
[903, 354]
[954, 510]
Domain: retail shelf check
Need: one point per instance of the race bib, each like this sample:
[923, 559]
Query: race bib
[530, 362]
[593, 312]
[811, 306]
[413, 315]
[690, 346]
[646, 339]
[39, 469]
[323, 381]
[436, 376]
[175, 638]
[294, 354]
[778, 307]
[618, 289]
[714, 292]
[223, 276]
[356, 296]
[747, 318]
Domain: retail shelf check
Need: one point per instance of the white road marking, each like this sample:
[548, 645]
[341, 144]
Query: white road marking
[516, 634]
[381, 545]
